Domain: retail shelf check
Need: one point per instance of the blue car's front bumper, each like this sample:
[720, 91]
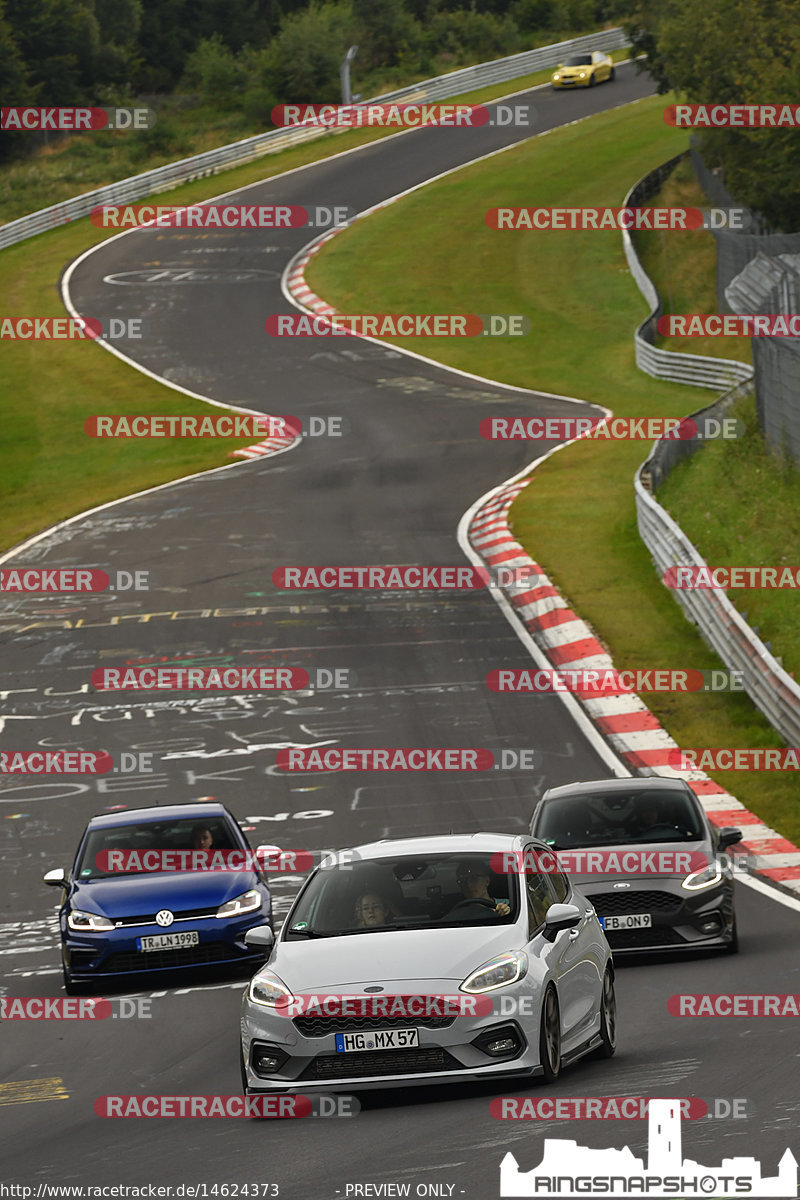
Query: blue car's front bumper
[91, 956]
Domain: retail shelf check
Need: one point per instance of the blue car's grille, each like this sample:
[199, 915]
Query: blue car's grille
[183, 914]
[154, 960]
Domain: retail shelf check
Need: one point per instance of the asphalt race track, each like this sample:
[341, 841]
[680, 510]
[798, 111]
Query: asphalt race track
[391, 490]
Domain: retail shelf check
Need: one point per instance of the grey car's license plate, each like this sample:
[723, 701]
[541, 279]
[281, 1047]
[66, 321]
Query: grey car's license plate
[631, 921]
[377, 1039]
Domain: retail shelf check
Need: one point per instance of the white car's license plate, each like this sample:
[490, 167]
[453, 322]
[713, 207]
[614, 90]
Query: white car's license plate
[377, 1039]
[169, 941]
[632, 921]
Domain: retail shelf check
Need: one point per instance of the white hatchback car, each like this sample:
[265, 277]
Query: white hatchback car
[427, 960]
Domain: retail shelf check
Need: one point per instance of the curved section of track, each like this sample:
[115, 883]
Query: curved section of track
[391, 491]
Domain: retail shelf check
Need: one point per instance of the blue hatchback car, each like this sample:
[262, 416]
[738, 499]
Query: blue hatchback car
[117, 924]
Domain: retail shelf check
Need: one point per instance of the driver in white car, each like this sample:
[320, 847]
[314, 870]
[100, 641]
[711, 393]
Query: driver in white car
[474, 883]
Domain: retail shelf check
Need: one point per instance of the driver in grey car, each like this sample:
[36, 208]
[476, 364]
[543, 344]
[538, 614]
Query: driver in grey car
[473, 879]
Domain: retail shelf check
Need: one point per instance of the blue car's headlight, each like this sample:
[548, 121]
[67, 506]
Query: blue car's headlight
[239, 905]
[267, 989]
[83, 922]
[497, 972]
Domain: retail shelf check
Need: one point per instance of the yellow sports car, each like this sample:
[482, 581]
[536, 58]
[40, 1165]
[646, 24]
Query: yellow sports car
[583, 70]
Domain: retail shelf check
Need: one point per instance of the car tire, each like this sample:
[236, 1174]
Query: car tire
[591, 80]
[242, 1072]
[613, 75]
[550, 1037]
[732, 946]
[608, 1018]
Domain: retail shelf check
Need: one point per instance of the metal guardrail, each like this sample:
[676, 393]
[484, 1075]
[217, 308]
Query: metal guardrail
[696, 369]
[769, 686]
[211, 162]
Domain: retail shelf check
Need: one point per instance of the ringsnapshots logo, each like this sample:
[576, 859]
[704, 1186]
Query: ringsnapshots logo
[567, 1169]
[436, 325]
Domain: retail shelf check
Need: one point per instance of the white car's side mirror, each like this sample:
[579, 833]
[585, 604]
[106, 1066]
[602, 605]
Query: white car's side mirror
[260, 937]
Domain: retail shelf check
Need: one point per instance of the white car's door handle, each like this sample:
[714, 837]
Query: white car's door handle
[573, 934]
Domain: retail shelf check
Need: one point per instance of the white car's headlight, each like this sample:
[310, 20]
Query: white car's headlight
[247, 902]
[497, 972]
[267, 989]
[82, 922]
[706, 877]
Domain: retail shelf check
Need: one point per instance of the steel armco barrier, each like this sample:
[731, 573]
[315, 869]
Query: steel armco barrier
[696, 369]
[769, 686]
[212, 162]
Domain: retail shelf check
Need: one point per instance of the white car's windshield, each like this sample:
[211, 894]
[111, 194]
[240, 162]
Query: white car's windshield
[421, 892]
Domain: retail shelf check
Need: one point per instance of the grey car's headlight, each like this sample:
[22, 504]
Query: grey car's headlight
[247, 902]
[497, 972]
[267, 989]
[82, 922]
[704, 878]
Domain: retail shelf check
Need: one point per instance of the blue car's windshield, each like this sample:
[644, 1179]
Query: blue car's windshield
[101, 857]
[421, 892]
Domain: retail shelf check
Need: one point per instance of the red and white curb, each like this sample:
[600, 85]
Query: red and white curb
[271, 445]
[627, 723]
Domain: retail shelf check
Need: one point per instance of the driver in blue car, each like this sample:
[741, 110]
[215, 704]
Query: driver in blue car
[473, 880]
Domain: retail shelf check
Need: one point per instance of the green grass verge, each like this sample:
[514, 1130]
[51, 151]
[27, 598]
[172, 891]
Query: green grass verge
[578, 517]
[49, 469]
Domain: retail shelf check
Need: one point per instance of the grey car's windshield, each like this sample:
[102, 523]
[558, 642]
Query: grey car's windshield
[617, 819]
[420, 892]
[579, 60]
[182, 834]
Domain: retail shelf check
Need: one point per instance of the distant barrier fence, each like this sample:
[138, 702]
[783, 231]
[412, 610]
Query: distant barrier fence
[211, 162]
[769, 686]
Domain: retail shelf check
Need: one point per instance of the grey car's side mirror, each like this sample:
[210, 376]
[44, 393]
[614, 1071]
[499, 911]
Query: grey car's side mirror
[728, 836]
[560, 916]
[260, 937]
[55, 878]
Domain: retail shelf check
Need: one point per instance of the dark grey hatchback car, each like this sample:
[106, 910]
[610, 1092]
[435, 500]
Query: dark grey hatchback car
[645, 854]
